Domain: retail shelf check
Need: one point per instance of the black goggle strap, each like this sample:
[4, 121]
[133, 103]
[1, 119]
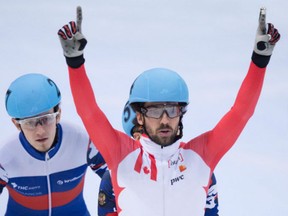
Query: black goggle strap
[164, 109]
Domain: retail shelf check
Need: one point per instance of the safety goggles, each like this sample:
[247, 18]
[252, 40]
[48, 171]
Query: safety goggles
[43, 120]
[157, 111]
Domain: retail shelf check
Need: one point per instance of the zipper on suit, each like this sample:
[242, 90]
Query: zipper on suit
[47, 158]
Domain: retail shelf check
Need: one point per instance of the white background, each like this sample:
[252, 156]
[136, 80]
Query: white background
[209, 43]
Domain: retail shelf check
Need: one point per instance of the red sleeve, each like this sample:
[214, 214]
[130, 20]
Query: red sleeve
[215, 143]
[108, 141]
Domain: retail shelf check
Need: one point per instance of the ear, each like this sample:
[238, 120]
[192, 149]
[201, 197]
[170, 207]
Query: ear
[58, 117]
[17, 125]
[140, 118]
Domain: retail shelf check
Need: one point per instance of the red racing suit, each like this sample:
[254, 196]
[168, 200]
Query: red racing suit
[174, 180]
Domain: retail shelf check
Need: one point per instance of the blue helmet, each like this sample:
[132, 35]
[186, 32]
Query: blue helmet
[30, 95]
[159, 85]
[128, 116]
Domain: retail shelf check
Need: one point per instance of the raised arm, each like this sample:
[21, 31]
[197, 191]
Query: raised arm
[220, 139]
[106, 139]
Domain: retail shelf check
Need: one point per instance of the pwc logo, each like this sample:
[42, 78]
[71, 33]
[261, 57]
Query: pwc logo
[177, 179]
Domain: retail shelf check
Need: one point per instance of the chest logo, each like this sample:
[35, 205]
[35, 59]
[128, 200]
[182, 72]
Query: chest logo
[182, 168]
[175, 162]
[177, 179]
[146, 170]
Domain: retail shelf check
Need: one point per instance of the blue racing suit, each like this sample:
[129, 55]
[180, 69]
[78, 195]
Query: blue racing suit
[50, 183]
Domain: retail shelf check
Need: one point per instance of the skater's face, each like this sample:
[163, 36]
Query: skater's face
[161, 121]
[40, 130]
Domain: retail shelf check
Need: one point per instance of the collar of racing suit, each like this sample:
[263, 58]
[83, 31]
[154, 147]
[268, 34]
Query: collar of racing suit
[152, 152]
[157, 151]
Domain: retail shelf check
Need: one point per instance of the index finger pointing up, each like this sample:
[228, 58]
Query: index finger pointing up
[79, 18]
[262, 20]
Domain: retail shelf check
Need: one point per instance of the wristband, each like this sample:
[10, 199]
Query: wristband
[75, 62]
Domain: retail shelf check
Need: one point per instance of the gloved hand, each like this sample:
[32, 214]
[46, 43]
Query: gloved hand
[73, 41]
[265, 39]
